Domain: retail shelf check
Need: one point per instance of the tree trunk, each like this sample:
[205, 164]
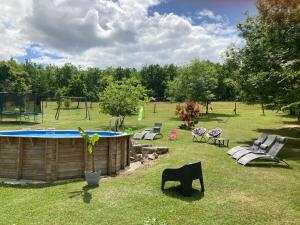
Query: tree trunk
[292, 111]
[122, 121]
[119, 123]
[235, 108]
[206, 106]
[154, 108]
[263, 108]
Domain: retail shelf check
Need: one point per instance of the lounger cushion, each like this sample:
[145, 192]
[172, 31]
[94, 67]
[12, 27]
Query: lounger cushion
[257, 142]
[281, 139]
[263, 146]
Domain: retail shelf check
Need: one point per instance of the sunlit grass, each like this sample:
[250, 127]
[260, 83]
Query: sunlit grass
[234, 194]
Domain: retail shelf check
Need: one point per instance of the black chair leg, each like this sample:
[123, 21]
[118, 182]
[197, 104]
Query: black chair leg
[163, 184]
[201, 184]
[186, 188]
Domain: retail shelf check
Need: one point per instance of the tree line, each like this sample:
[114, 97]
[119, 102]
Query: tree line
[265, 70]
[50, 81]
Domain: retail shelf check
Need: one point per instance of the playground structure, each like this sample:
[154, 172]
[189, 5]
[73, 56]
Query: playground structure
[18, 106]
[65, 103]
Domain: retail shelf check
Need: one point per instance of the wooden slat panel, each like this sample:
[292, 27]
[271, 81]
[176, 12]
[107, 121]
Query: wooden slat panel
[20, 158]
[60, 159]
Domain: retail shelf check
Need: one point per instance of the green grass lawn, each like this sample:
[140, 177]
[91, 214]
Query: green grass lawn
[260, 194]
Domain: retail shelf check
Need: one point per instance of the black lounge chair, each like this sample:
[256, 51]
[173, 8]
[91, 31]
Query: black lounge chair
[198, 134]
[140, 135]
[263, 148]
[271, 155]
[185, 175]
[255, 146]
[154, 133]
[213, 134]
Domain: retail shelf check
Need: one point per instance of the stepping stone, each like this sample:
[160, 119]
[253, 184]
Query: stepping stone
[153, 156]
[148, 150]
[162, 150]
[137, 148]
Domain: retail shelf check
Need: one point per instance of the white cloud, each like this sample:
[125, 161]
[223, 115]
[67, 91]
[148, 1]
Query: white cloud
[205, 13]
[111, 33]
[12, 40]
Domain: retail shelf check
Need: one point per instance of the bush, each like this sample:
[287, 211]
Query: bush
[122, 98]
[189, 113]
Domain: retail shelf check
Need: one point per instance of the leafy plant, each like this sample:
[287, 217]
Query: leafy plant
[129, 131]
[122, 98]
[194, 82]
[189, 113]
[91, 140]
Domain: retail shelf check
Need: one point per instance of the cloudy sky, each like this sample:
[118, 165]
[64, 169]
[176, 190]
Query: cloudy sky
[127, 33]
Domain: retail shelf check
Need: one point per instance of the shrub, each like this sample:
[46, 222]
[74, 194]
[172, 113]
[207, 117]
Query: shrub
[189, 113]
[122, 98]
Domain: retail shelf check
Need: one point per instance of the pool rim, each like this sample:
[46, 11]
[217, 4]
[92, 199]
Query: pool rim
[122, 134]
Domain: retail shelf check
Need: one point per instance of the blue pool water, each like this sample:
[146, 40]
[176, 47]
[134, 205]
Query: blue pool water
[55, 133]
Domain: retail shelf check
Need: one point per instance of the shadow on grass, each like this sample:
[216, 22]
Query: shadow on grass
[295, 123]
[287, 116]
[25, 185]
[268, 164]
[290, 152]
[19, 122]
[292, 148]
[84, 193]
[175, 192]
[216, 117]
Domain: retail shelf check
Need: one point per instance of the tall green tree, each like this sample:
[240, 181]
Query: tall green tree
[155, 78]
[271, 49]
[122, 98]
[194, 82]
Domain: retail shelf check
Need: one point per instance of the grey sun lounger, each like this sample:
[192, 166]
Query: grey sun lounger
[255, 146]
[263, 148]
[152, 135]
[270, 155]
[140, 135]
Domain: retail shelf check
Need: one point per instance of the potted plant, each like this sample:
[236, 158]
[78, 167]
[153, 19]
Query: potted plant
[91, 177]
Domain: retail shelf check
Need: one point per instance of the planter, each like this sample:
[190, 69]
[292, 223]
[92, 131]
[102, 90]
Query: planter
[92, 178]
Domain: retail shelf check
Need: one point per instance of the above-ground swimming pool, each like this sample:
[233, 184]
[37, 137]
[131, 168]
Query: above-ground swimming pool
[50, 155]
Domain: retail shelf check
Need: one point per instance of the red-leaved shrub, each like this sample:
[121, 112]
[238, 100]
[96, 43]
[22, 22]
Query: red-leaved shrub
[189, 113]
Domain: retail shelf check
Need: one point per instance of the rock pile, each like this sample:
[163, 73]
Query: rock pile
[144, 152]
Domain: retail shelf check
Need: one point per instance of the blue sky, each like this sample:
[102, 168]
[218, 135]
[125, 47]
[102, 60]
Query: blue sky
[127, 33]
[232, 9]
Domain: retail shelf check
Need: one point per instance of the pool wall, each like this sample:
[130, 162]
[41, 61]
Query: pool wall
[50, 159]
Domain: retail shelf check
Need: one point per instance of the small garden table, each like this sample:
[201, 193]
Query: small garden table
[222, 140]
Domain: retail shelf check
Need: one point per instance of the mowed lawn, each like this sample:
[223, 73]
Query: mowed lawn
[260, 194]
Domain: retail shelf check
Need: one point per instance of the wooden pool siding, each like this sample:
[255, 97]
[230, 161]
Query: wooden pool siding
[50, 159]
